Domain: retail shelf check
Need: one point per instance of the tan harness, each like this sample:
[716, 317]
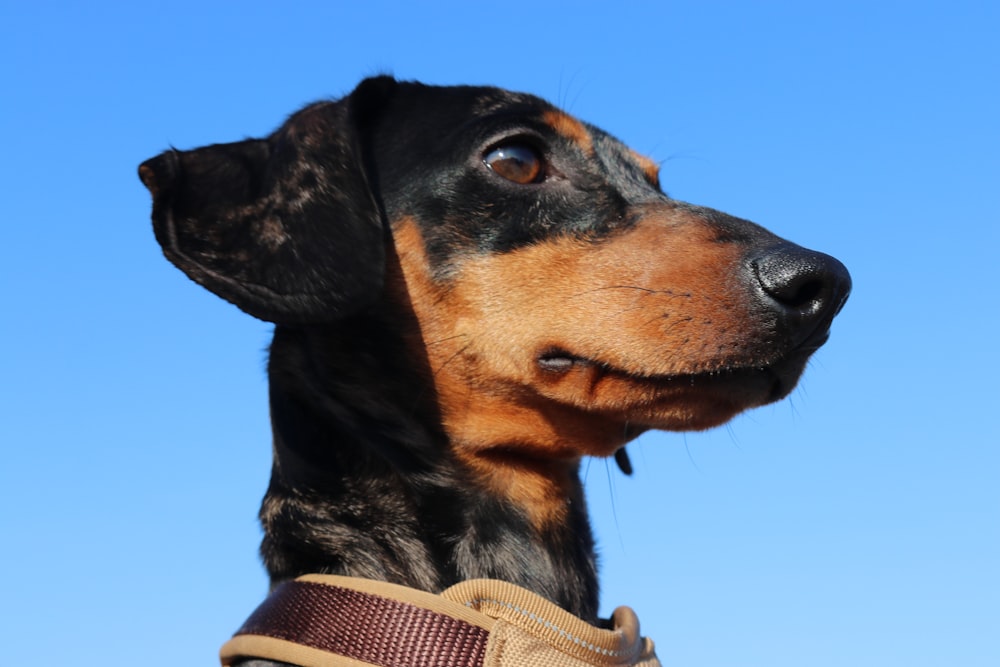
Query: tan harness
[331, 621]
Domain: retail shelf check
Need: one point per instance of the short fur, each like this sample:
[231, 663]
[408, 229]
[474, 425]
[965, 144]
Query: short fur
[452, 336]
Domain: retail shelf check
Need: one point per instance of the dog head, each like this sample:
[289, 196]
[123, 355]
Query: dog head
[563, 301]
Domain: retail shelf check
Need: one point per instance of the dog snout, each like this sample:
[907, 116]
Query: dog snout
[805, 289]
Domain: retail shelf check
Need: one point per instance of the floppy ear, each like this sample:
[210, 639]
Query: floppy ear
[287, 228]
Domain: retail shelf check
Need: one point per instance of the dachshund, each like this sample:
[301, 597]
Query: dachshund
[472, 290]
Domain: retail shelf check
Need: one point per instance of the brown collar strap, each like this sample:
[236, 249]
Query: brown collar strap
[332, 621]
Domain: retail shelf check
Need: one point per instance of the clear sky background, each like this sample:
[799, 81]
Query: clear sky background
[856, 523]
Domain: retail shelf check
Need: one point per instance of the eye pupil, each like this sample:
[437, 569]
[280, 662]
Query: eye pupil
[516, 163]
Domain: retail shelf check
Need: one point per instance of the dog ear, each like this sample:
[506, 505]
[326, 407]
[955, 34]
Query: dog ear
[287, 228]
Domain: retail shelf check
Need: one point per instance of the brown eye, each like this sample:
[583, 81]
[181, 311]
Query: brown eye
[516, 162]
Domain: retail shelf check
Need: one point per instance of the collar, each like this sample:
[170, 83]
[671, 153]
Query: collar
[333, 621]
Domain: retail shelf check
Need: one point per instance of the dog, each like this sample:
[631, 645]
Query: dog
[472, 290]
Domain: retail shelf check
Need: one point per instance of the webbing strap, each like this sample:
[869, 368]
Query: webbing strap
[367, 628]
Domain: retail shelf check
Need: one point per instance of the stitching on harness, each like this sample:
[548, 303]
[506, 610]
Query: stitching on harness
[548, 625]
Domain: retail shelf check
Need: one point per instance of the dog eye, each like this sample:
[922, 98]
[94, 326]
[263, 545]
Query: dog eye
[516, 162]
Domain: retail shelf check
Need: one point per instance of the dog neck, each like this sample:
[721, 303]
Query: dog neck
[366, 482]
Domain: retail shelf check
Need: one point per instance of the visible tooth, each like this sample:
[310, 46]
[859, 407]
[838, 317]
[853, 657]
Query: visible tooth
[555, 363]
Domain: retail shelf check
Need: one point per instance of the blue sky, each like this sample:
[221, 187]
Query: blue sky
[856, 523]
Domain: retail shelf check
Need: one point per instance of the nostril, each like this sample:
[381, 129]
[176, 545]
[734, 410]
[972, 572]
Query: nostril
[802, 281]
[798, 294]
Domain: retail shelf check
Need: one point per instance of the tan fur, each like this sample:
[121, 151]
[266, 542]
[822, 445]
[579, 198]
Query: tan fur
[641, 317]
[571, 128]
[649, 167]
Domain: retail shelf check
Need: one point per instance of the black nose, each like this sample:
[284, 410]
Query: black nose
[805, 288]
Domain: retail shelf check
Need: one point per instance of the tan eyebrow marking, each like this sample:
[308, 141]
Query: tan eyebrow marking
[570, 128]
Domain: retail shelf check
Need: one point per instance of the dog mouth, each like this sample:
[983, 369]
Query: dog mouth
[779, 375]
[701, 398]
